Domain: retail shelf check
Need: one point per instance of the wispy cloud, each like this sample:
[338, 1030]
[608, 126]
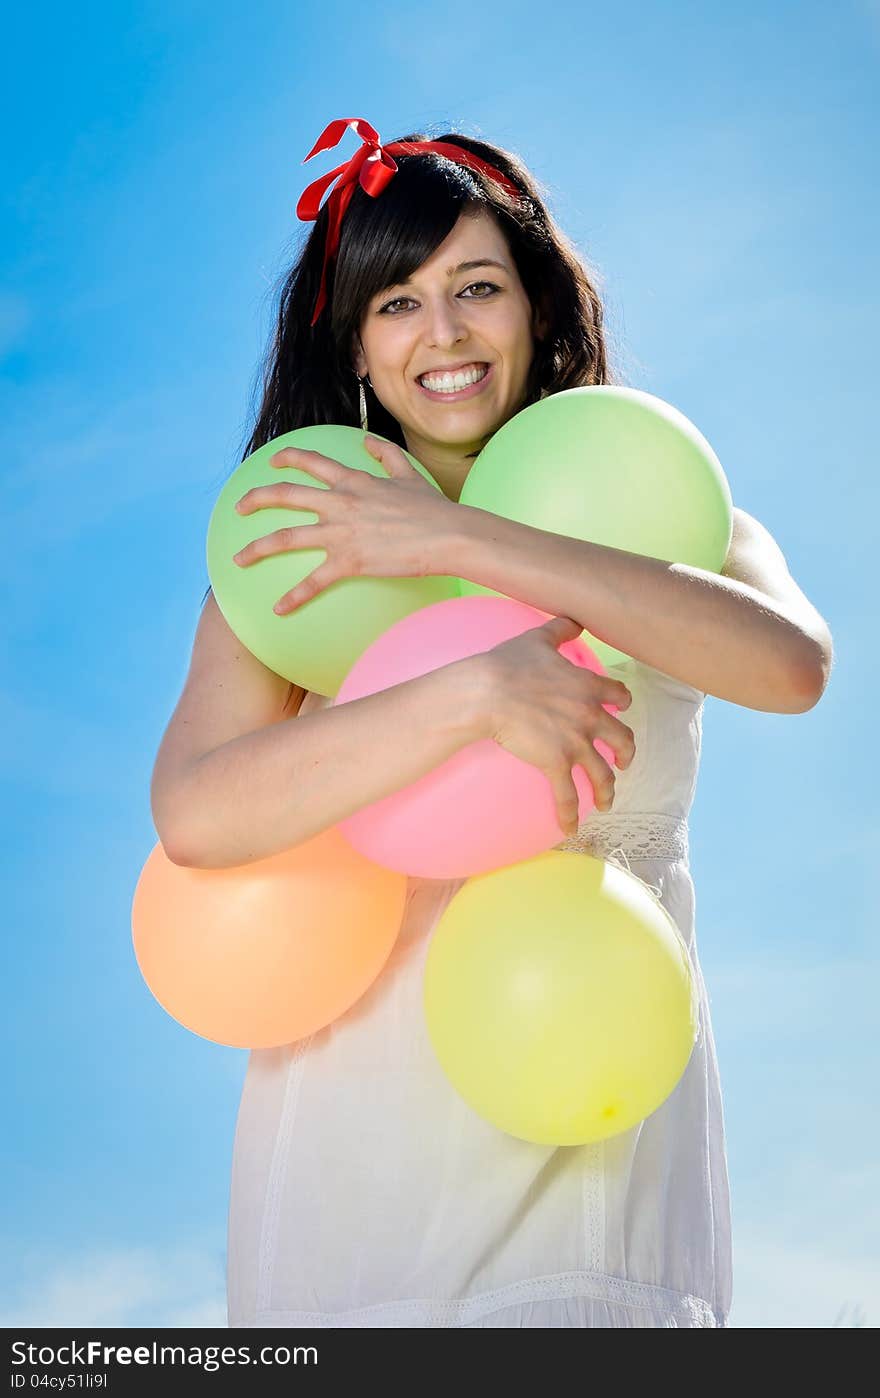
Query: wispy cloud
[777, 995]
[785, 1286]
[126, 1286]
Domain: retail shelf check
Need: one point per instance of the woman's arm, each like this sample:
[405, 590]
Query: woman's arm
[748, 635]
[235, 780]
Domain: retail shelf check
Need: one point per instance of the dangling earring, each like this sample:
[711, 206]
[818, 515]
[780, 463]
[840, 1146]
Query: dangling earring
[363, 400]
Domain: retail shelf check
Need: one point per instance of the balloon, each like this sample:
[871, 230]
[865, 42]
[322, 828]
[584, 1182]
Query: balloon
[316, 644]
[484, 806]
[611, 465]
[559, 999]
[262, 954]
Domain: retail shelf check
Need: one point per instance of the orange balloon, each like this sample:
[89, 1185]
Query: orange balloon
[262, 954]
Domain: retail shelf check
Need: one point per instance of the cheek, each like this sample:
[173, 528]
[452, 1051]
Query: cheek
[519, 338]
[391, 354]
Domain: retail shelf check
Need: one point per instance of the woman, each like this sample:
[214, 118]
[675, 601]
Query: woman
[365, 1192]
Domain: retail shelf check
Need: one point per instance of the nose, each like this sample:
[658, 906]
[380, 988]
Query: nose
[446, 325]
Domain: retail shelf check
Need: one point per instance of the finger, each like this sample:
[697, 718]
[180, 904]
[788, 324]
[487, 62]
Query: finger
[391, 456]
[283, 495]
[562, 628]
[621, 696]
[619, 737]
[304, 591]
[614, 692]
[297, 536]
[566, 797]
[600, 775]
[316, 464]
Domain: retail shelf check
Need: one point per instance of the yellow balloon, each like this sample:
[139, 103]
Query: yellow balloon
[560, 999]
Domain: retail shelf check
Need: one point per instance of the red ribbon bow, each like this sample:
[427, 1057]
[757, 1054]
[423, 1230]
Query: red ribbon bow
[371, 166]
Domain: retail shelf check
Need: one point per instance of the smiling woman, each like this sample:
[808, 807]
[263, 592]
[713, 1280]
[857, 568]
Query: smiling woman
[394, 267]
[436, 223]
[449, 365]
[365, 1191]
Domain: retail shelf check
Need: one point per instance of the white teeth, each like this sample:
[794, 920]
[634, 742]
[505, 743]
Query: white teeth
[452, 383]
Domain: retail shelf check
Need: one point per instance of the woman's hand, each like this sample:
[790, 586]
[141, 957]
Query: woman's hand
[369, 526]
[547, 711]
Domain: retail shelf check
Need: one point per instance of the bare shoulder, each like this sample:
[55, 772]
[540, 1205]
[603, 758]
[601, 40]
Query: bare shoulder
[755, 558]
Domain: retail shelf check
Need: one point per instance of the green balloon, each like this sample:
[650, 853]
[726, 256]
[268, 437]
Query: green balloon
[316, 644]
[613, 466]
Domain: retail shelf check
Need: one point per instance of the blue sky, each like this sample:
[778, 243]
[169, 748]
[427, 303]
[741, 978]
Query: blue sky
[715, 165]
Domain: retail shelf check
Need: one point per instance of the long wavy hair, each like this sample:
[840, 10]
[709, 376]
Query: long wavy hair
[307, 375]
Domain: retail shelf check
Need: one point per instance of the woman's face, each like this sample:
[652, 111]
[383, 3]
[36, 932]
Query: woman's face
[450, 317]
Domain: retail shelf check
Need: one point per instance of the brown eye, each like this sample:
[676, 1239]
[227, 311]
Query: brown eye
[387, 308]
[395, 302]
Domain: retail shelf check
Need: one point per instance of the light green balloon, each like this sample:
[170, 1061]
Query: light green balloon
[316, 644]
[613, 466]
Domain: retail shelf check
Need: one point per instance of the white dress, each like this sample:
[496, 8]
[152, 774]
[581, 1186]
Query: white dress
[366, 1193]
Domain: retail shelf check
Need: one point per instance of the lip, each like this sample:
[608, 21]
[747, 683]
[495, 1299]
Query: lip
[470, 391]
[452, 368]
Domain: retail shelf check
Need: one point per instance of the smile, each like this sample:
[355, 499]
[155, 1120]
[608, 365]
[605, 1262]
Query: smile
[456, 395]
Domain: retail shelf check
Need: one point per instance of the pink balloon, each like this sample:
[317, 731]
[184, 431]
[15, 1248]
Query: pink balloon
[483, 807]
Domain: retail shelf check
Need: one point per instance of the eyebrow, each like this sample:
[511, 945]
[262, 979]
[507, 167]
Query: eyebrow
[468, 266]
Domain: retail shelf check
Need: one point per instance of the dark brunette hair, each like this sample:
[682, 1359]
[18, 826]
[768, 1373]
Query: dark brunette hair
[308, 373]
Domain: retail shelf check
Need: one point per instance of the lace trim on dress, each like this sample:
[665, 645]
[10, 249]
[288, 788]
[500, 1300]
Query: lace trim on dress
[635, 835]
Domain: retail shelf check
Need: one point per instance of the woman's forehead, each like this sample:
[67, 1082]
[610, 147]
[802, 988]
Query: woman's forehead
[467, 247]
